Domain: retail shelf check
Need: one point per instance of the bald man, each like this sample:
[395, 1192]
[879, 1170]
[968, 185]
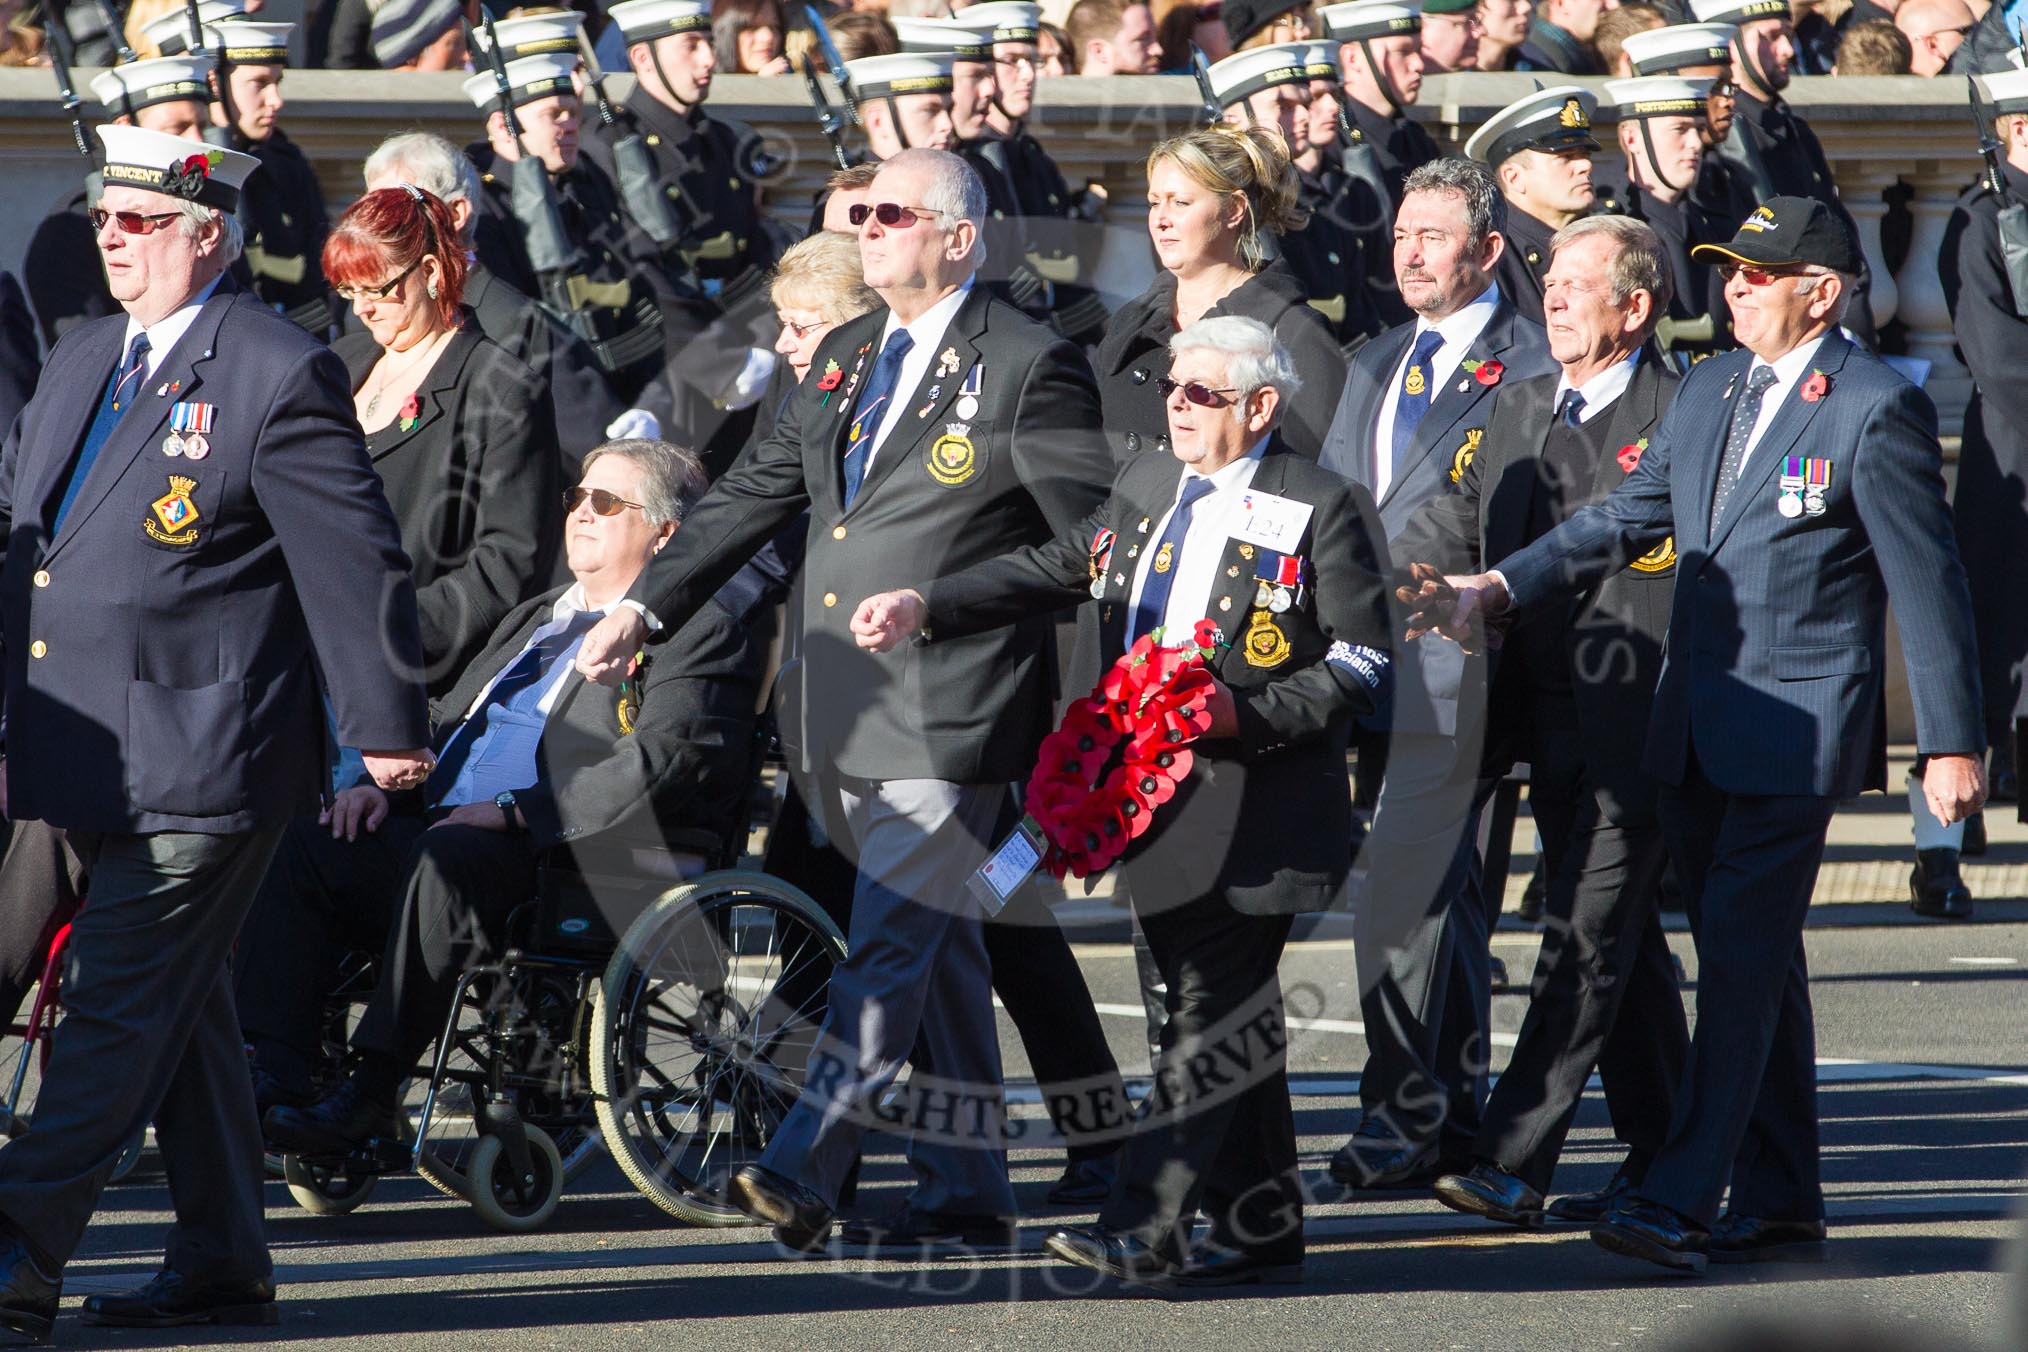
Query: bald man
[1935, 29]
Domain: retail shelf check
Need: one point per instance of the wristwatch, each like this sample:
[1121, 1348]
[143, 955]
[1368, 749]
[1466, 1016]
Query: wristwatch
[504, 800]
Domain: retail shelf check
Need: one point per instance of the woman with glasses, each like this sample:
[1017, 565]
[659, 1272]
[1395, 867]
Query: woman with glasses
[459, 430]
[1218, 198]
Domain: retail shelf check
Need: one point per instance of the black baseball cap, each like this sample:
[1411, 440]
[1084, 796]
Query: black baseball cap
[1785, 231]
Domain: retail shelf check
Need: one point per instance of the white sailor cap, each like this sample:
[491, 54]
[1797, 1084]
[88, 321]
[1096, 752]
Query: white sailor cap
[1552, 119]
[244, 43]
[125, 90]
[961, 37]
[1012, 20]
[1738, 11]
[529, 78]
[533, 35]
[159, 162]
[1680, 46]
[1245, 73]
[1320, 59]
[2005, 91]
[646, 20]
[1658, 96]
[170, 34]
[1371, 19]
[876, 77]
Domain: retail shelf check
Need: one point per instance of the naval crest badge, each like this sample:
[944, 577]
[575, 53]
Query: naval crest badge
[175, 516]
[1462, 461]
[952, 458]
[1265, 643]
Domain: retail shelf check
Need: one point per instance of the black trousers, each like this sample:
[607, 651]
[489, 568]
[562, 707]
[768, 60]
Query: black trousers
[1746, 1110]
[41, 881]
[431, 900]
[1217, 1133]
[1603, 976]
[149, 1034]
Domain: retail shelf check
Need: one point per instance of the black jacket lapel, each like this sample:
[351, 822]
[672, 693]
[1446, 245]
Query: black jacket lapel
[922, 412]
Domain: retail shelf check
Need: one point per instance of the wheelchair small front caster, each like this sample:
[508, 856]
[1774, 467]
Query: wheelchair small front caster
[325, 1189]
[516, 1203]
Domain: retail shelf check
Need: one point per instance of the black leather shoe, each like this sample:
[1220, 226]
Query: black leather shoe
[1492, 1192]
[1589, 1208]
[27, 1298]
[1117, 1255]
[270, 1092]
[337, 1125]
[1532, 898]
[171, 1300]
[1936, 890]
[800, 1217]
[910, 1228]
[1748, 1239]
[1383, 1164]
[1086, 1181]
[1654, 1233]
[1231, 1267]
[1496, 974]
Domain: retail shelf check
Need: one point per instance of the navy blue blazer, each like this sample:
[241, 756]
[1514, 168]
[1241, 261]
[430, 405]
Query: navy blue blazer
[1430, 672]
[162, 654]
[1774, 665]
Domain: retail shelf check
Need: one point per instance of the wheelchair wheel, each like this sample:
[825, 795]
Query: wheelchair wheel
[511, 1203]
[322, 1190]
[705, 1021]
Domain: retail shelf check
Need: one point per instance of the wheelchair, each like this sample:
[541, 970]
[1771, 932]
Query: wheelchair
[658, 1003]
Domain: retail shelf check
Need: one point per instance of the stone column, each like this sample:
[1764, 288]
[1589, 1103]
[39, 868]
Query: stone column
[1936, 186]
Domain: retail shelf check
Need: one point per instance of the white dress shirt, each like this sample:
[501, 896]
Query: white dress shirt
[1212, 520]
[1603, 390]
[1789, 369]
[167, 331]
[927, 333]
[1459, 332]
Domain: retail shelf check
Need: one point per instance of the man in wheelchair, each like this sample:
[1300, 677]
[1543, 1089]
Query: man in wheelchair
[530, 757]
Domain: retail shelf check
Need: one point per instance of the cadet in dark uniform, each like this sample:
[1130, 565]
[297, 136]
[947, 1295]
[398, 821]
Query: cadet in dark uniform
[20, 364]
[1540, 149]
[198, 555]
[1564, 47]
[62, 270]
[1380, 63]
[1662, 135]
[1702, 51]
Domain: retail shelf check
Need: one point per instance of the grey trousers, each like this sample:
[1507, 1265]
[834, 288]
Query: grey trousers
[149, 1035]
[918, 964]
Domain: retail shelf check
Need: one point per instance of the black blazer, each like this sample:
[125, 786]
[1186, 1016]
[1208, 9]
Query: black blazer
[20, 365]
[1265, 817]
[475, 487]
[580, 397]
[1613, 633]
[163, 652]
[1135, 355]
[672, 774]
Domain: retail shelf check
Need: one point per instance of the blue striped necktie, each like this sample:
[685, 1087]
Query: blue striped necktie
[121, 388]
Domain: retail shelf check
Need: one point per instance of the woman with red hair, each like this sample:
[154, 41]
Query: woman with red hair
[461, 432]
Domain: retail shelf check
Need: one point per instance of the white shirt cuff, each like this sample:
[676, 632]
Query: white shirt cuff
[647, 615]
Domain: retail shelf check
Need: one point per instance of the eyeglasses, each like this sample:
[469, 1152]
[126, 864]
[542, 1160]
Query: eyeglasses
[352, 295]
[1721, 89]
[130, 222]
[1755, 276]
[893, 215]
[802, 331]
[1198, 393]
[602, 502]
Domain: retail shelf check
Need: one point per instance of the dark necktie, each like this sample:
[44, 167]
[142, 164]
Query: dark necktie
[1168, 556]
[1412, 399]
[1745, 414]
[121, 389]
[1571, 411]
[519, 687]
[871, 408]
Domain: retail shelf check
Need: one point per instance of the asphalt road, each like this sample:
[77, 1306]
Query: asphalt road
[1924, 1096]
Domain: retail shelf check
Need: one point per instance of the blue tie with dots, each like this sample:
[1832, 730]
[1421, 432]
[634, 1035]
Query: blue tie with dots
[1412, 399]
[1168, 556]
[872, 407]
[121, 389]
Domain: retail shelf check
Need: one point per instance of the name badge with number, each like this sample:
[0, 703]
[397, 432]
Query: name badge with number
[1273, 521]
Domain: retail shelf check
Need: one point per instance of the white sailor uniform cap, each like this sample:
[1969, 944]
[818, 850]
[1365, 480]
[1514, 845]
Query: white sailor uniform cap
[170, 34]
[1552, 119]
[2004, 91]
[244, 43]
[1012, 20]
[646, 20]
[898, 73]
[1320, 60]
[533, 35]
[1371, 19]
[961, 37]
[189, 170]
[529, 78]
[1680, 46]
[1658, 96]
[125, 90]
[1243, 74]
[1738, 11]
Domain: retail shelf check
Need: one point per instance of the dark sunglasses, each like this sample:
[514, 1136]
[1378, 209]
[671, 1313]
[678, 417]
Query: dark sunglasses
[889, 214]
[130, 222]
[1755, 276]
[1197, 393]
[352, 295]
[602, 502]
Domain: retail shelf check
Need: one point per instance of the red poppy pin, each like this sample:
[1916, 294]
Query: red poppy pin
[1487, 373]
[411, 412]
[833, 376]
[1630, 456]
[1816, 387]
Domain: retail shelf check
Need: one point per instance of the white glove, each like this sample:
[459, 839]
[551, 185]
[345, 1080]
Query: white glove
[635, 422]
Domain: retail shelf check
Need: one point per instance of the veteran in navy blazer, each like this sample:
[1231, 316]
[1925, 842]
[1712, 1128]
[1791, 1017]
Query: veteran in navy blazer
[1413, 415]
[194, 537]
[1802, 482]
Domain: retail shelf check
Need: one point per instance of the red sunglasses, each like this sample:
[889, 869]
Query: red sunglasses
[130, 222]
[1198, 393]
[1755, 276]
[889, 214]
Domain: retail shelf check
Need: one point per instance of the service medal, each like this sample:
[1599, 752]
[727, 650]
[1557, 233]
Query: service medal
[1098, 588]
[1790, 505]
[172, 445]
[1280, 600]
[1263, 596]
[196, 446]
